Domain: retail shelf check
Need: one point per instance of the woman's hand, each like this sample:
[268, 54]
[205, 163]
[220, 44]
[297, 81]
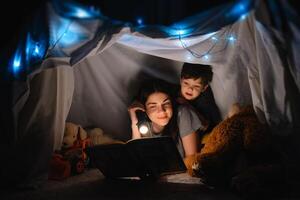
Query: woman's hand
[131, 110]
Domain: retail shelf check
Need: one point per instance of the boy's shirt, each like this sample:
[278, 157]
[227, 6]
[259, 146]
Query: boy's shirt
[205, 104]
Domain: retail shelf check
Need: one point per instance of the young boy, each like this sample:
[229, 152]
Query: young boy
[194, 88]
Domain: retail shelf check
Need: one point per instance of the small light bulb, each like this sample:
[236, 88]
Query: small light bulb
[214, 38]
[181, 32]
[140, 21]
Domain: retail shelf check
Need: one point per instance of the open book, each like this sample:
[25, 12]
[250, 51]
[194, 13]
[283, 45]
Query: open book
[145, 157]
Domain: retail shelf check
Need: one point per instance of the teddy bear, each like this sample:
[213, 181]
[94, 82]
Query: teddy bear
[239, 154]
[97, 136]
[73, 135]
[71, 159]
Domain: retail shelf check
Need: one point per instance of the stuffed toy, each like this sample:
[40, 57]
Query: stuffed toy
[71, 159]
[73, 135]
[97, 136]
[239, 153]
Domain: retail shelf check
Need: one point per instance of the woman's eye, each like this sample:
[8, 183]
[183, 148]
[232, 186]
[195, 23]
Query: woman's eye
[168, 104]
[151, 107]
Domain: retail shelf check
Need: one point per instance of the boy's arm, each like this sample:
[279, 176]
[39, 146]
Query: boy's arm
[189, 143]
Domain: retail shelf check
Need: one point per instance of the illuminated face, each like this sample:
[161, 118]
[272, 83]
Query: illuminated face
[159, 110]
[192, 88]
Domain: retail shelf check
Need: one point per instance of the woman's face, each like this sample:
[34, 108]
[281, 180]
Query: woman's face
[159, 108]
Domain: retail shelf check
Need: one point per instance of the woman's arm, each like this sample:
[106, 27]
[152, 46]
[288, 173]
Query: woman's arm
[132, 108]
[189, 143]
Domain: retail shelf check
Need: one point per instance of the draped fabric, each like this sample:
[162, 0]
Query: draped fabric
[92, 81]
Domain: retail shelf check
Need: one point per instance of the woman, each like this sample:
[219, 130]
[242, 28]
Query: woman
[156, 99]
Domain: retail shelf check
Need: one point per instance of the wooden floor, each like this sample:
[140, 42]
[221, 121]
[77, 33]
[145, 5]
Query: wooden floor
[92, 185]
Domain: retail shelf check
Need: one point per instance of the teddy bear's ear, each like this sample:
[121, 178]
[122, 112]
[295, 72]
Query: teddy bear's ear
[82, 133]
[234, 109]
[70, 128]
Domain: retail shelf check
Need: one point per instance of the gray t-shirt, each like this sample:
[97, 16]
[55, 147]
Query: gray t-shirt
[188, 122]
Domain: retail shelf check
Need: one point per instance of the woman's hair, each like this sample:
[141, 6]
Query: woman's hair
[151, 86]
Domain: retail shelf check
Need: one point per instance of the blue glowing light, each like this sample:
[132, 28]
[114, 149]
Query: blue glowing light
[231, 38]
[34, 50]
[82, 12]
[206, 57]
[17, 61]
[214, 39]
[178, 32]
[65, 33]
[68, 39]
[240, 9]
[243, 17]
[181, 29]
[139, 21]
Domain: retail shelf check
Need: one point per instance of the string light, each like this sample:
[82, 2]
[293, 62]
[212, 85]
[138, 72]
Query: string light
[17, 61]
[214, 38]
[231, 39]
[139, 21]
[65, 34]
[36, 49]
[189, 57]
[243, 17]
[206, 56]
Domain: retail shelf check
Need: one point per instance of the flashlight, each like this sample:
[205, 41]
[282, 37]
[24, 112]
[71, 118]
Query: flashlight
[143, 123]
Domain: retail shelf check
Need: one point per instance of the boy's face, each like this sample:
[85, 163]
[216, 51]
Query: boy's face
[192, 88]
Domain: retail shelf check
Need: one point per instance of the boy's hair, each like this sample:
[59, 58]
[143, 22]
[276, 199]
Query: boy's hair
[196, 71]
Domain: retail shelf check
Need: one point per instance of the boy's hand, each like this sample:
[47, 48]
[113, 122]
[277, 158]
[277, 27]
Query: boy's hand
[205, 125]
[204, 122]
